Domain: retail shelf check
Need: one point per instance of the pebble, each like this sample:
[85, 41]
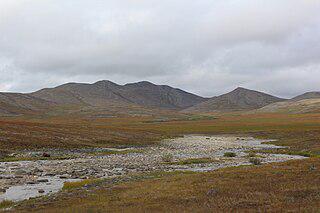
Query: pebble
[46, 155]
[41, 191]
[31, 182]
[43, 181]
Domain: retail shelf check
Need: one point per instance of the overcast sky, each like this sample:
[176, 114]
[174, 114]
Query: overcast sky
[205, 46]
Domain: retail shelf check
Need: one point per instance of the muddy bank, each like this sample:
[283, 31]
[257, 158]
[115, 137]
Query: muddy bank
[23, 175]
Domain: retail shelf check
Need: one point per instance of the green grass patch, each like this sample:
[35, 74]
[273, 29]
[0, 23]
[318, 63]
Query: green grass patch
[80, 184]
[194, 161]
[6, 204]
[230, 154]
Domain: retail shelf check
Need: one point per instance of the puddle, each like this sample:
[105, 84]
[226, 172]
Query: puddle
[26, 191]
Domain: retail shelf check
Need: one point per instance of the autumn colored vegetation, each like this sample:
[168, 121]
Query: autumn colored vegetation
[276, 187]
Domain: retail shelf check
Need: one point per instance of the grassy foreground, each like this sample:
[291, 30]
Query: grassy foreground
[290, 186]
[281, 187]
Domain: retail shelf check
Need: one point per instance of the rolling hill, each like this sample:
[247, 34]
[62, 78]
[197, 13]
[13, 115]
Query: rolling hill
[106, 93]
[300, 106]
[236, 100]
[101, 98]
[105, 99]
[307, 95]
[17, 104]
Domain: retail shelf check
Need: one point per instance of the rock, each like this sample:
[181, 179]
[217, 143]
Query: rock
[7, 177]
[41, 191]
[43, 181]
[12, 154]
[212, 192]
[31, 182]
[36, 170]
[46, 155]
[312, 168]
[21, 172]
[3, 190]
[84, 177]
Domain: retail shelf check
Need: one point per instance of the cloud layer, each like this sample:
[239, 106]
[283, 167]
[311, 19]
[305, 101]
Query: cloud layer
[206, 46]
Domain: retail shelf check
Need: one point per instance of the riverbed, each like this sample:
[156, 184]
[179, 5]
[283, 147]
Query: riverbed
[25, 179]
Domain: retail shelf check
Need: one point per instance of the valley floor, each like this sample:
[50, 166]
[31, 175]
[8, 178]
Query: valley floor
[282, 187]
[20, 180]
[286, 186]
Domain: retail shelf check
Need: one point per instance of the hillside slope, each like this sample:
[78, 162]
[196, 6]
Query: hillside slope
[16, 104]
[301, 106]
[307, 95]
[106, 93]
[236, 100]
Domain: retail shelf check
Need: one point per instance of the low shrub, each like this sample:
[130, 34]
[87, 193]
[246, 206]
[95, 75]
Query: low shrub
[79, 184]
[255, 161]
[252, 155]
[230, 154]
[6, 204]
[167, 158]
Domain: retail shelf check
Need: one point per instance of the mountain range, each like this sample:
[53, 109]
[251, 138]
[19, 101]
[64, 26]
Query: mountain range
[104, 93]
[106, 96]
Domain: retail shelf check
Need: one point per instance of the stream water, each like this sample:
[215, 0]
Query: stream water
[26, 191]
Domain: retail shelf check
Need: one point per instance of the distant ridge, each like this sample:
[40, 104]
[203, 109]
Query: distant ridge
[106, 98]
[17, 104]
[307, 95]
[236, 100]
[310, 105]
[308, 102]
[105, 93]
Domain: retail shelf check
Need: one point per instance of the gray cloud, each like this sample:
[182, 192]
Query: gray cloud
[205, 46]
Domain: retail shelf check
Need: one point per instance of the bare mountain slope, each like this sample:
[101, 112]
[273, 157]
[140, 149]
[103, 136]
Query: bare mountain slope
[300, 106]
[159, 96]
[17, 103]
[307, 95]
[238, 99]
[101, 93]
[105, 93]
